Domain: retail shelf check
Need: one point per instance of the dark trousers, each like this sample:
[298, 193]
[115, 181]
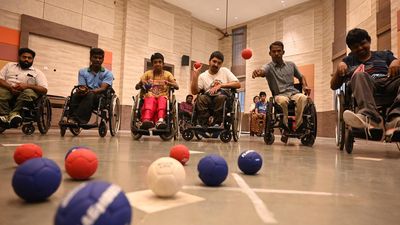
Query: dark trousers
[370, 92]
[206, 104]
[81, 106]
[27, 95]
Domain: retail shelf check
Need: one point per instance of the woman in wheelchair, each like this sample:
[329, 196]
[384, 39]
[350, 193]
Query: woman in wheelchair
[157, 83]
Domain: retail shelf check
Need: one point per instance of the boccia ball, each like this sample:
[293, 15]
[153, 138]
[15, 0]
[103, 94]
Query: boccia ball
[36, 179]
[74, 149]
[249, 162]
[27, 151]
[165, 177]
[180, 153]
[197, 65]
[95, 202]
[247, 53]
[213, 170]
[81, 164]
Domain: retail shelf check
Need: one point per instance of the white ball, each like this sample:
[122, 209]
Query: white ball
[165, 177]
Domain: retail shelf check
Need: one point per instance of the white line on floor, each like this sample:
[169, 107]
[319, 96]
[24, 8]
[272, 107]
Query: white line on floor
[10, 145]
[368, 158]
[265, 215]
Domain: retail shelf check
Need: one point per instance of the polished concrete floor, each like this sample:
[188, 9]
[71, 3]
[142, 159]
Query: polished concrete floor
[296, 185]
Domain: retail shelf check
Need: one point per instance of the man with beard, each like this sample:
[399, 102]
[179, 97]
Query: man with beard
[157, 83]
[92, 82]
[215, 83]
[20, 83]
[370, 73]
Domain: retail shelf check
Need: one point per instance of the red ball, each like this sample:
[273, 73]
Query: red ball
[180, 153]
[81, 164]
[197, 65]
[247, 53]
[27, 151]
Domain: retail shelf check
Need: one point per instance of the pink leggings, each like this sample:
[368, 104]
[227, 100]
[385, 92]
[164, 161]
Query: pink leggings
[154, 108]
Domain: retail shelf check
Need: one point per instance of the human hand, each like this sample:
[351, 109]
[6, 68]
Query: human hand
[257, 73]
[20, 86]
[214, 89]
[307, 90]
[394, 69]
[342, 69]
[82, 90]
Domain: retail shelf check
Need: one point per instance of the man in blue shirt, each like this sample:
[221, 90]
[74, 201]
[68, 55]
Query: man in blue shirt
[92, 82]
[370, 73]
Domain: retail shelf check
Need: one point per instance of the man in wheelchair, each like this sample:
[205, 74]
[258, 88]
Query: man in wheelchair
[280, 76]
[374, 78]
[93, 82]
[157, 83]
[186, 108]
[215, 84]
[20, 83]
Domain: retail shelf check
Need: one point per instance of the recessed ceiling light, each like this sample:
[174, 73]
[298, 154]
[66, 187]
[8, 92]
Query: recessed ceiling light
[217, 9]
[236, 17]
[282, 1]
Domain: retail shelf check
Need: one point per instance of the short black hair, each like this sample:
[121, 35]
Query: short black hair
[218, 55]
[187, 96]
[26, 50]
[263, 93]
[254, 98]
[278, 43]
[96, 51]
[356, 36]
[155, 56]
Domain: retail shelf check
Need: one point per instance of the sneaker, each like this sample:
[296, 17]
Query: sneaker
[15, 120]
[161, 124]
[360, 121]
[210, 120]
[147, 124]
[392, 126]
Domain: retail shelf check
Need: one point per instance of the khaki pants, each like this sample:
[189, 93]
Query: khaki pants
[17, 101]
[301, 101]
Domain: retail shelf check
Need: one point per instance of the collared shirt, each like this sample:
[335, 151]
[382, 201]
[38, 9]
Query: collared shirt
[185, 107]
[94, 80]
[280, 78]
[13, 74]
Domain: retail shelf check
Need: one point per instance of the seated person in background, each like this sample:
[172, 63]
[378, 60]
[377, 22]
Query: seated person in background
[92, 82]
[19, 83]
[186, 108]
[280, 74]
[157, 82]
[215, 83]
[258, 117]
[252, 110]
[375, 72]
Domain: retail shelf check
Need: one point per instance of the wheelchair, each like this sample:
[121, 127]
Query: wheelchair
[345, 135]
[38, 111]
[274, 119]
[231, 123]
[107, 112]
[171, 132]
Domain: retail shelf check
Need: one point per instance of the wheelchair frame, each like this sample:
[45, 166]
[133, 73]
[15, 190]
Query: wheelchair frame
[40, 112]
[110, 114]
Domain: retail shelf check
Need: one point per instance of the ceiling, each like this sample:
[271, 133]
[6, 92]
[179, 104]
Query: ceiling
[239, 11]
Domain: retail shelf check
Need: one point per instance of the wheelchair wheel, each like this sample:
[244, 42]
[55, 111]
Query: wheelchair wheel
[225, 136]
[340, 125]
[28, 129]
[43, 115]
[348, 141]
[309, 139]
[63, 130]
[114, 115]
[103, 128]
[173, 117]
[269, 137]
[188, 135]
[74, 130]
[175, 121]
[134, 118]
[236, 120]
[2, 129]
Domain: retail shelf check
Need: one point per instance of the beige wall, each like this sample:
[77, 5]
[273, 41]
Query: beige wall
[395, 7]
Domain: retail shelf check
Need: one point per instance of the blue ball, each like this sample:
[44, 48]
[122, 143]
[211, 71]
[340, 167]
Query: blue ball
[36, 179]
[73, 149]
[250, 162]
[213, 170]
[95, 202]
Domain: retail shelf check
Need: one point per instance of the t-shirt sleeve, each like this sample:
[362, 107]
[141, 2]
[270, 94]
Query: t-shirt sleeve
[231, 77]
[41, 79]
[81, 77]
[297, 73]
[201, 83]
[389, 57]
[3, 71]
[108, 78]
[145, 76]
[171, 77]
[265, 67]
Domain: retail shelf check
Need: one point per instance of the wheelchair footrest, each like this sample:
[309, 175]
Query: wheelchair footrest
[373, 134]
[395, 137]
[88, 126]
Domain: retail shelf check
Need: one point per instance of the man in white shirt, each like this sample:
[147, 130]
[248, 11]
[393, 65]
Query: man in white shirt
[214, 83]
[20, 83]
